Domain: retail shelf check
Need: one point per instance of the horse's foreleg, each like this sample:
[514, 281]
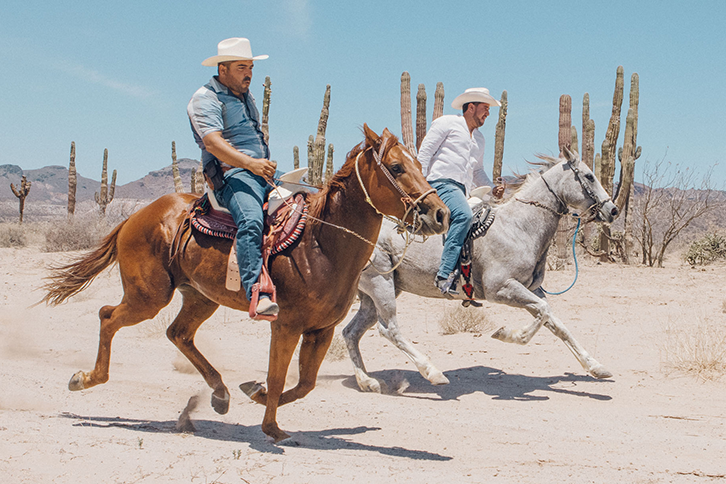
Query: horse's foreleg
[194, 311]
[588, 362]
[282, 346]
[364, 320]
[312, 352]
[516, 295]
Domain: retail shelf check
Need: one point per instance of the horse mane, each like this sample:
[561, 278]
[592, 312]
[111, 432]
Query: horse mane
[319, 202]
[540, 167]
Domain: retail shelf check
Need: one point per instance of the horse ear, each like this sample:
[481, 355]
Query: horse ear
[372, 139]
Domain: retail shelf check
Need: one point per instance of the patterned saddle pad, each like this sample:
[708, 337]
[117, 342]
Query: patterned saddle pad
[285, 225]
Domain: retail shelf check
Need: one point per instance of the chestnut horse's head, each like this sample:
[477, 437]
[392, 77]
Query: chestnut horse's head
[395, 186]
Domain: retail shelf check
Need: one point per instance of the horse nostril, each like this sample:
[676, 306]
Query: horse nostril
[440, 217]
[614, 211]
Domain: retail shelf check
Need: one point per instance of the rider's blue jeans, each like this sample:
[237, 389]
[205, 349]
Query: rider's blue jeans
[453, 194]
[243, 194]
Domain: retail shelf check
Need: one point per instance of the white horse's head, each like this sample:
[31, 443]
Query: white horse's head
[574, 185]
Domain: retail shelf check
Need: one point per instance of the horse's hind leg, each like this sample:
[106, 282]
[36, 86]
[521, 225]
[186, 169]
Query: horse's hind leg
[196, 309]
[364, 320]
[138, 304]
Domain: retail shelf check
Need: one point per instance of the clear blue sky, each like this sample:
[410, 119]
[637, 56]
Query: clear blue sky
[118, 75]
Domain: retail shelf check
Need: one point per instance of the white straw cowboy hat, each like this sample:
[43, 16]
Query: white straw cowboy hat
[234, 49]
[474, 95]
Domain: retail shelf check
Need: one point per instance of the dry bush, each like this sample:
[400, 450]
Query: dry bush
[13, 235]
[707, 249]
[465, 320]
[77, 233]
[698, 351]
[338, 349]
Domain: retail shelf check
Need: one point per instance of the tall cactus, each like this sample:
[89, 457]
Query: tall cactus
[178, 187]
[264, 126]
[315, 175]
[106, 195]
[627, 156]
[72, 181]
[198, 179]
[588, 133]
[607, 169]
[438, 101]
[329, 171]
[406, 121]
[607, 161]
[295, 157]
[420, 115]
[564, 136]
[311, 139]
[499, 138]
[21, 192]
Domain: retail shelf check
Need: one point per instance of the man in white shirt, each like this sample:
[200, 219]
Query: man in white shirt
[452, 160]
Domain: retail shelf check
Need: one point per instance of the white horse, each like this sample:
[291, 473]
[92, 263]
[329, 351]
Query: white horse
[508, 266]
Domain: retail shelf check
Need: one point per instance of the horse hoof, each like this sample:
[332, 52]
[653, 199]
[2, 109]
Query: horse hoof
[371, 386]
[438, 378]
[220, 405]
[600, 372]
[500, 334]
[252, 389]
[76, 382]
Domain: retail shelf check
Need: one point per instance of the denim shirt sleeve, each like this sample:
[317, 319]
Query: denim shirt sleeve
[205, 112]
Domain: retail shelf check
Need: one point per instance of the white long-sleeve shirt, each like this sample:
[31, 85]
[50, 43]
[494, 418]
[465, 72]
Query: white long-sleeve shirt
[449, 151]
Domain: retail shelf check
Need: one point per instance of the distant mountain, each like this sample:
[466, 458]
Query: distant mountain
[50, 184]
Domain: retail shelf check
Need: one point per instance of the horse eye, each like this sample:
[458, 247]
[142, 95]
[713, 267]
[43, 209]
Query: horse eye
[396, 169]
[590, 177]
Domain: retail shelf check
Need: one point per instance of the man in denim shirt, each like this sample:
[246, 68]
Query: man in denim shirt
[451, 157]
[226, 126]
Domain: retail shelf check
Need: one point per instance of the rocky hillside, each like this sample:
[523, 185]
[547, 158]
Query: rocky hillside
[50, 184]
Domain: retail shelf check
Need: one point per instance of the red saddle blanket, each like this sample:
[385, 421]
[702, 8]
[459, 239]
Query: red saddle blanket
[282, 227]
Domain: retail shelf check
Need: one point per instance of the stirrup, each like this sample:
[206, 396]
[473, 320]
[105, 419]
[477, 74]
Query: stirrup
[447, 286]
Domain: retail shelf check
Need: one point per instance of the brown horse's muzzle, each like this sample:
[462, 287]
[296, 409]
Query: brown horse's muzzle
[434, 216]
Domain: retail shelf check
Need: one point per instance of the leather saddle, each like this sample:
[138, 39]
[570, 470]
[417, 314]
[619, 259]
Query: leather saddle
[285, 217]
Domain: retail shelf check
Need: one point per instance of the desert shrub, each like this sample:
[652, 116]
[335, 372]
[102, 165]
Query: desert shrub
[78, 233]
[464, 320]
[709, 248]
[699, 351]
[13, 235]
[338, 349]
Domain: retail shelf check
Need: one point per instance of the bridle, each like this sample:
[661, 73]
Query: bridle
[412, 206]
[594, 209]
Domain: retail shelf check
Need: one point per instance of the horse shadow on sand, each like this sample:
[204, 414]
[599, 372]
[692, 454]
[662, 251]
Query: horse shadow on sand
[328, 439]
[490, 381]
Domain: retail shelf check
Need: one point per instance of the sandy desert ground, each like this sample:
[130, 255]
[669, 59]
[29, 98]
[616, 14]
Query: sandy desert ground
[524, 414]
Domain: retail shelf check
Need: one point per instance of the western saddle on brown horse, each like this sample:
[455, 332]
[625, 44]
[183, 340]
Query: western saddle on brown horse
[315, 275]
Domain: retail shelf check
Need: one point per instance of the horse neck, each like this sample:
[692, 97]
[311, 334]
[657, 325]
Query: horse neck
[538, 222]
[346, 210]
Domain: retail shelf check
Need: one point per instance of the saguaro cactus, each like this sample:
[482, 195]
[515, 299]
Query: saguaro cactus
[438, 101]
[607, 160]
[198, 179]
[295, 157]
[21, 193]
[420, 115]
[264, 126]
[406, 122]
[178, 188]
[499, 138]
[72, 181]
[315, 175]
[106, 195]
[329, 172]
[564, 137]
[588, 133]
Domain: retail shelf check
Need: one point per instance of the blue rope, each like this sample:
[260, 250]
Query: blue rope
[577, 229]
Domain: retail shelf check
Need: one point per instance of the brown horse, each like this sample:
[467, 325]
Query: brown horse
[316, 277]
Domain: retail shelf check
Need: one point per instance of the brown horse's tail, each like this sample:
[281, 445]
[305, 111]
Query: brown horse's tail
[67, 280]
